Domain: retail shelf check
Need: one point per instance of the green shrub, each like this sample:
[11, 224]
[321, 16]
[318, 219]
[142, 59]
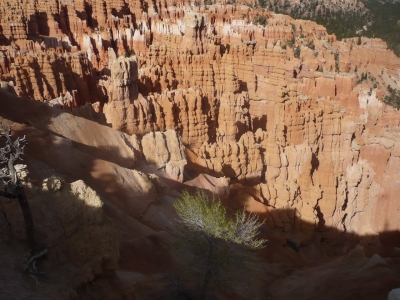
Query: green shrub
[290, 42]
[220, 244]
[393, 99]
[129, 52]
[260, 20]
[296, 51]
[311, 45]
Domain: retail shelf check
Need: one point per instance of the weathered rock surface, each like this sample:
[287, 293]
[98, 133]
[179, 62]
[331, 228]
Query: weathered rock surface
[166, 151]
[293, 125]
[345, 270]
[70, 220]
[298, 133]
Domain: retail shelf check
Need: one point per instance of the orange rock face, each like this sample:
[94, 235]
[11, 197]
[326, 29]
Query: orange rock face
[281, 113]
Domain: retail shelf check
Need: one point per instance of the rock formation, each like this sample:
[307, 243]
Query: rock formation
[290, 122]
[279, 110]
[69, 219]
[166, 151]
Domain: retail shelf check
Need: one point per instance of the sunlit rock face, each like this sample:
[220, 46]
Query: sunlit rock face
[165, 151]
[294, 127]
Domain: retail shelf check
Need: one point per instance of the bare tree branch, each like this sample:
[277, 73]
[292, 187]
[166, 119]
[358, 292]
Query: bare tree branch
[9, 154]
[12, 150]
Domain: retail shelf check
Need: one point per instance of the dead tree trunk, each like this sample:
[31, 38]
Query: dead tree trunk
[11, 151]
[19, 193]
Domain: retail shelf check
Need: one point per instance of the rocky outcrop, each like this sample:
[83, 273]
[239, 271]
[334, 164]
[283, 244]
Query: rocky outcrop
[121, 89]
[166, 151]
[291, 115]
[241, 160]
[46, 75]
[69, 219]
[281, 119]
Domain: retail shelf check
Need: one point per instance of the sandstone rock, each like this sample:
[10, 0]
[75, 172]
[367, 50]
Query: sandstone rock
[195, 20]
[70, 220]
[165, 150]
[123, 77]
[121, 88]
[314, 143]
[52, 184]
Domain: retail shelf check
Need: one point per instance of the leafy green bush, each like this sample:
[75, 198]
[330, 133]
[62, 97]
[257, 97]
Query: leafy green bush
[311, 45]
[337, 69]
[260, 20]
[393, 99]
[129, 52]
[262, 3]
[296, 51]
[221, 244]
[290, 42]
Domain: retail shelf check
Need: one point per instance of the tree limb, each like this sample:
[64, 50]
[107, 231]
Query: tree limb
[9, 154]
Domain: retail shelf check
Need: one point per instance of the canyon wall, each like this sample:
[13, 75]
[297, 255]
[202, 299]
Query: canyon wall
[282, 109]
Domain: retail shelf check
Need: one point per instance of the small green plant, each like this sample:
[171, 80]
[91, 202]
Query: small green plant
[296, 51]
[129, 52]
[364, 76]
[262, 3]
[311, 45]
[393, 99]
[290, 43]
[260, 20]
[336, 55]
[221, 244]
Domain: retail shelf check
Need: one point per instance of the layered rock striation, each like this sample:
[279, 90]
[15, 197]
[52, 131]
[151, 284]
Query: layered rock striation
[291, 115]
